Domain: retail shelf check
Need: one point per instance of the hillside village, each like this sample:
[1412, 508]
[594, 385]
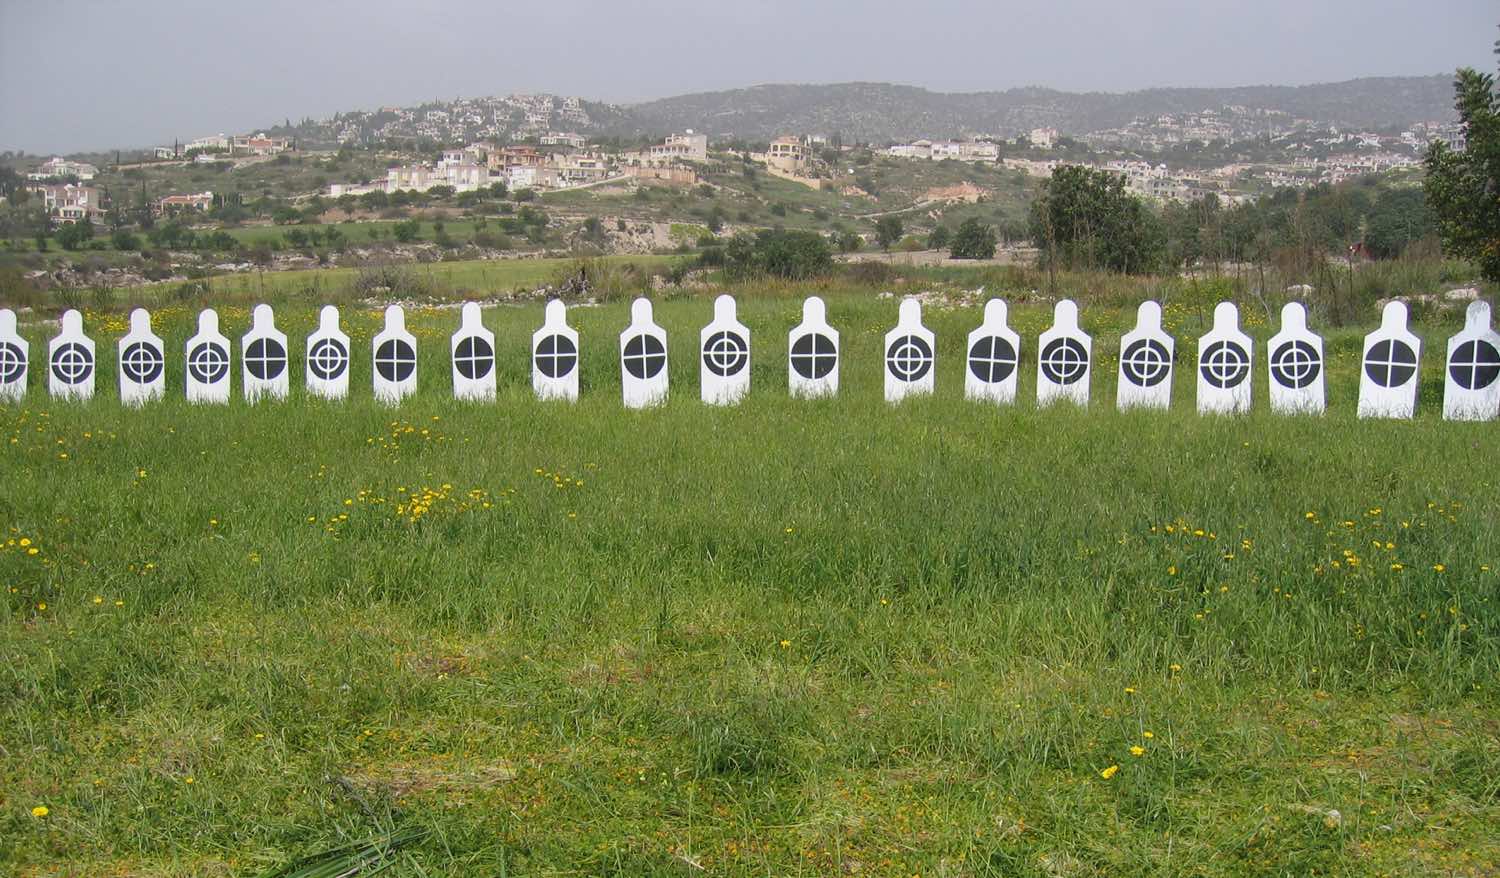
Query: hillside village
[532, 175]
[542, 143]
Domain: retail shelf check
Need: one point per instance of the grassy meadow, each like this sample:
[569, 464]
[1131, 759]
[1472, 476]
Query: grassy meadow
[785, 638]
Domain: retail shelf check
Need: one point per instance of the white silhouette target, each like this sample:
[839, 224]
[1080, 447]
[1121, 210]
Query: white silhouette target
[724, 346]
[70, 360]
[143, 362]
[643, 358]
[1294, 363]
[994, 358]
[1471, 383]
[813, 353]
[15, 358]
[1063, 358]
[1225, 359]
[395, 349]
[554, 356]
[207, 363]
[910, 355]
[263, 357]
[1146, 352]
[473, 351]
[328, 357]
[1389, 366]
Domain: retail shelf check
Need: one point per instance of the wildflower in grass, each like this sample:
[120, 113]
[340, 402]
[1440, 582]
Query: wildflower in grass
[1172, 570]
[188, 779]
[1129, 690]
[786, 644]
[1439, 568]
[42, 605]
[1137, 750]
[1109, 772]
[98, 599]
[40, 811]
[25, 541]
[1148, 734]
[1310, 516]
[1174, 667]
[119, 603]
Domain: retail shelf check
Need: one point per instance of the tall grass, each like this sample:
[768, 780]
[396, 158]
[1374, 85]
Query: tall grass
[790, 637]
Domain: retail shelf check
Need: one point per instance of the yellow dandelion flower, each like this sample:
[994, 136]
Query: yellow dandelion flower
[785, 644]
[1172, 571]
[98, 599]
[1137, 750]
[1109, 772]
[25, 541]
[188, 779]
[1174, 667]
[1439, 568]
[1148, 734]
[1129, 690]
[42, 605]
[40, 811]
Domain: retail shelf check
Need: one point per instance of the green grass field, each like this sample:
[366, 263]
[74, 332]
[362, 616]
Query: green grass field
[787, 638]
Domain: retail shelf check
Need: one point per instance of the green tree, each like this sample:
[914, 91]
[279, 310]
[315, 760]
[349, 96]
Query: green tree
[1464, 187]
[73, 236]
[123, 240]
[938, 238]
[888, 230]
[792, 255]
[1084, 218]
[973, 240]
[1399, 218]
[406, 230]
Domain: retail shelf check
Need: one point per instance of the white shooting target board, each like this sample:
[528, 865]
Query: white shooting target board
[1225, 360]
[1471, 383]
[143, 362]
[473, 352]
[71, 365]
[15, 358]
[263, 357]
[643, 358]
[328, 357]
[724, 346]
[1146, 352]
[1294, 363]
[1389, 367]
[206, 357]
[395, 352]
[1064, 358]
[994, 357]
[554, 356]
[910, 355]
[813, 353]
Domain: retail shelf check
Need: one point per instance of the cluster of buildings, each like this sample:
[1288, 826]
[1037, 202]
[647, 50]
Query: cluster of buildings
[939, 150]
[515, 116]
[69, 202]
[570, 163]
[57, 168]
[216, 145]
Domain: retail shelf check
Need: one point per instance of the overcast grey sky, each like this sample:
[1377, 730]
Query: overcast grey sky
[88, 74]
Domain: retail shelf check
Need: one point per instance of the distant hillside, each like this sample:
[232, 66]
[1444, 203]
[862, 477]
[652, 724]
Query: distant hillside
[878, 112]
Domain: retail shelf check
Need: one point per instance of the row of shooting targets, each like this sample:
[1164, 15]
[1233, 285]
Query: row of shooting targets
[1389, 365]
